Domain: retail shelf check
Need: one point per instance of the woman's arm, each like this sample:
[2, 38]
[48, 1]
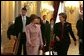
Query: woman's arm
[28, 35]
[41, 37]
[71, 32]
[56, 26]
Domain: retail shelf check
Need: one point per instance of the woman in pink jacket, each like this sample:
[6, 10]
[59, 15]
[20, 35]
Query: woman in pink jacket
[33, 36]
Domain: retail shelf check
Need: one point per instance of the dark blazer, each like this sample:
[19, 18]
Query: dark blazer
[45, 29]
[64, 35]
[19, 24]
[79, 27]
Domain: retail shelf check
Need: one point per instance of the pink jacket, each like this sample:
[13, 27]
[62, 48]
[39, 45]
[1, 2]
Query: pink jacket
[33, 35]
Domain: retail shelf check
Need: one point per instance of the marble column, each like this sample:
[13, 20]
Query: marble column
[4, 20]
[17, 8]
[7, 15]
[38, 8]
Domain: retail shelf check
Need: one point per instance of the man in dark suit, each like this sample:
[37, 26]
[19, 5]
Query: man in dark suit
[20, 22]
[79, 27]
[62, 31]
[45, 28]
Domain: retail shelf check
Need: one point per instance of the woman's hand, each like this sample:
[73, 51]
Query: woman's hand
[31, 45]
[41, 47]
[13, 37]
[57, 38]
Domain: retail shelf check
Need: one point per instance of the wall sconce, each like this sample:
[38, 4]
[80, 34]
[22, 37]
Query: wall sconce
[71, 9]
[46, 8]
[71, 6]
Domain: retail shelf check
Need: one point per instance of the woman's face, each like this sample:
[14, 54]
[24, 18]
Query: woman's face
[61, 18]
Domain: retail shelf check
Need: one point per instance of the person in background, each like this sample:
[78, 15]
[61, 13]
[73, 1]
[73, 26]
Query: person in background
[45, 28]
[10, 30]
[62, 31]
[52, 41]
[20, 23]
[79, 27]
[33, 36]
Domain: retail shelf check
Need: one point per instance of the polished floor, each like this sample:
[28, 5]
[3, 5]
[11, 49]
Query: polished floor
[73, 50]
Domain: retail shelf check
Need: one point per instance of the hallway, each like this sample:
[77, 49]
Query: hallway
[11, 9]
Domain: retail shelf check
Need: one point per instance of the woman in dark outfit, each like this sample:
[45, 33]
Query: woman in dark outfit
[51, 36]
[62, 31]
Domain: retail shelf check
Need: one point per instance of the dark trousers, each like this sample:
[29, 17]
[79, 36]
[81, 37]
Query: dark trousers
[22, 44]
[61, 48]
[46, 48]
[80, 48]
